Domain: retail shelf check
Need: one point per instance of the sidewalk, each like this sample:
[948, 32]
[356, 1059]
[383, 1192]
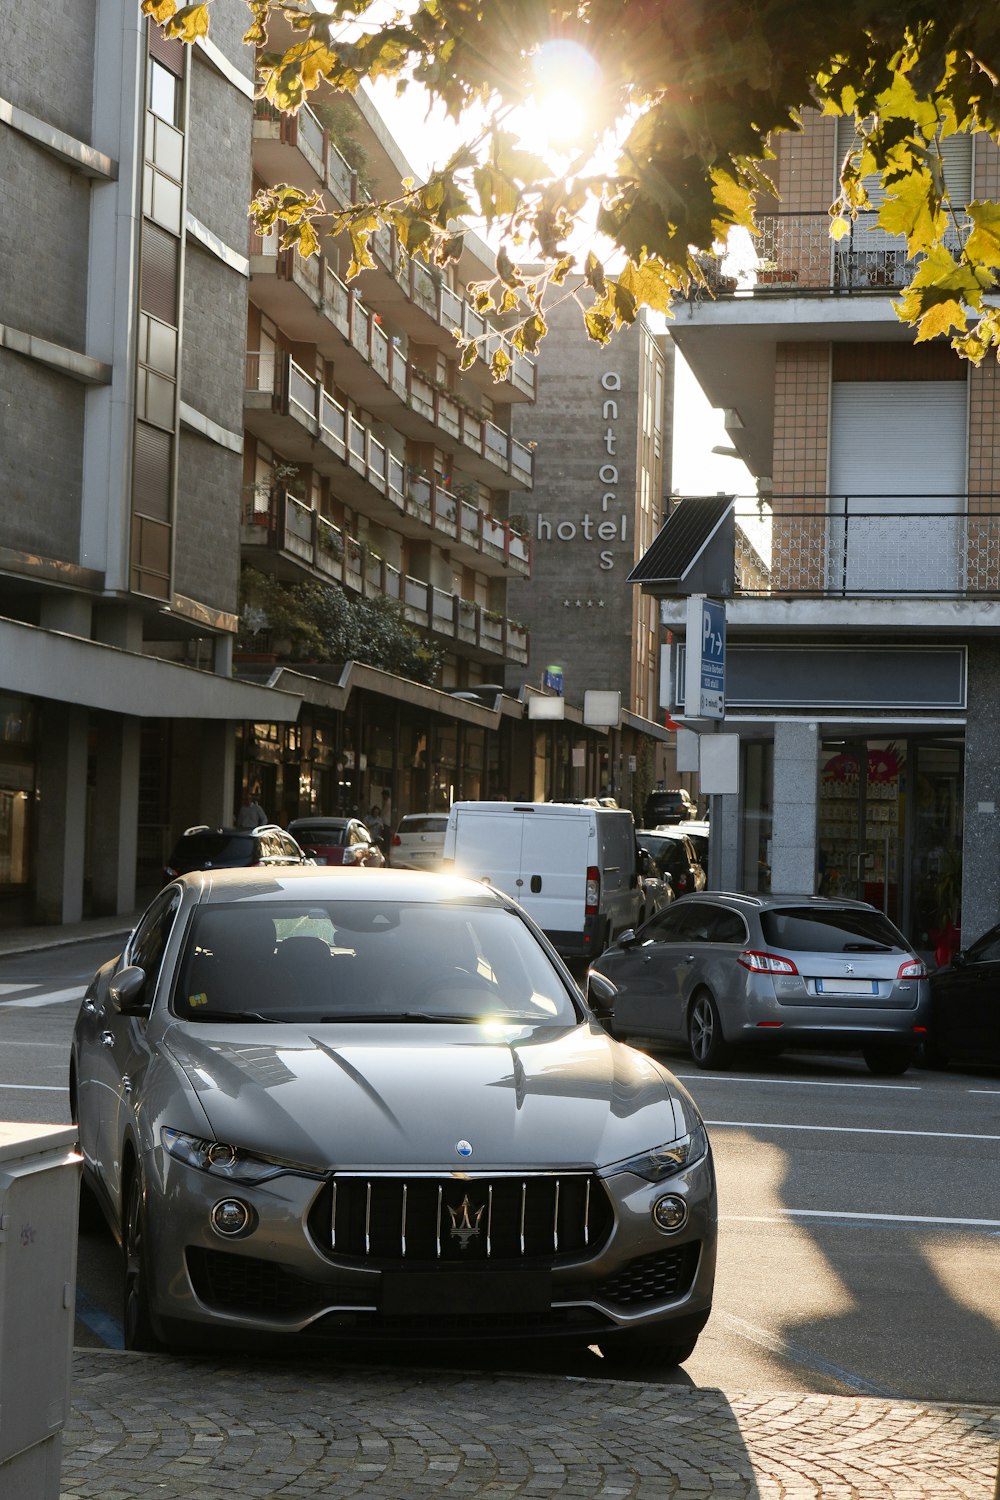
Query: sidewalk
[211, 1429]
[34, 939]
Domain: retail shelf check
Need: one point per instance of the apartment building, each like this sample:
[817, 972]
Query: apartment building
[372, 464]
[601, 428]
[863, 667]
[122, 336]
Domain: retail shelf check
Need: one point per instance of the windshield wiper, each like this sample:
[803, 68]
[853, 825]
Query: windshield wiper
[397, 1015]
[233, 1015]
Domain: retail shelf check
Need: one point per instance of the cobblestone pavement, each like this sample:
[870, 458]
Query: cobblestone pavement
[205, 1429]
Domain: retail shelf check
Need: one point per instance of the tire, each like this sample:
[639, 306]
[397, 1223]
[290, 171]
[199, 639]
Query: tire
[936, 1054]
[646, 1351]
[886, 1060]
[137, 1319]
[709, 1048]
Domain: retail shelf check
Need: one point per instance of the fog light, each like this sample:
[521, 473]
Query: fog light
[231, 1217]
[670, 1213]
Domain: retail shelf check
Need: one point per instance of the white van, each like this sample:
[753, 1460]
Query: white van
[572, 867]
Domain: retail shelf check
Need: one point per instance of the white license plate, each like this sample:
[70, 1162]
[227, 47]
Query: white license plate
[846, 987]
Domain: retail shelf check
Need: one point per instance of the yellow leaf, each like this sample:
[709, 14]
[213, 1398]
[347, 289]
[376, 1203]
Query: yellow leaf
[160, 10]
[500, 364]
[188, 23]
[839, 227]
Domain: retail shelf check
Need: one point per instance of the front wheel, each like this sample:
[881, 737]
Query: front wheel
[887, 1061]
[137, 1320]
[709, 1047]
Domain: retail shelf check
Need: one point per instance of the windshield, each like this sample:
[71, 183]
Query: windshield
[372, 961]
[801, 930]
[321, 833]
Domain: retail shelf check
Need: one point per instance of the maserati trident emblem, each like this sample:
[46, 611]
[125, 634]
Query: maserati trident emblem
[465, 1221]
[464, 1148]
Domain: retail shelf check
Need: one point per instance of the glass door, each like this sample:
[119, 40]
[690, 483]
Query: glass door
[861, 813]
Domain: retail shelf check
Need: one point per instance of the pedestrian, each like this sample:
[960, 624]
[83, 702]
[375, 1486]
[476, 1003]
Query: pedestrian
[375, 824]
[251, 814]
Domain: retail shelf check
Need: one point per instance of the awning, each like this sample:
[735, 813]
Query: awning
[71, 669]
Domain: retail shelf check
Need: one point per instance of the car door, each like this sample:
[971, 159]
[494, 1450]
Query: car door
[967, 1008]
[652, 976]
[120, 1053]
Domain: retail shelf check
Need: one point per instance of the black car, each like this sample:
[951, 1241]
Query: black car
[671, 806]
[674, 855]
[204, 848]
[964, 1023]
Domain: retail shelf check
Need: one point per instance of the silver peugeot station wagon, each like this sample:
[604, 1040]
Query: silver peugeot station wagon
[718, 969]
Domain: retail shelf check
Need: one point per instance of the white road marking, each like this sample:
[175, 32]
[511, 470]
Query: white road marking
[50, 997]
[927, 1135]
[829, 1213]
[805, 1083]
[990, 1093]
[40, 1088]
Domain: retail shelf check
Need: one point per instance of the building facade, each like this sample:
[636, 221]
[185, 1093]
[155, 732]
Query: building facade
[601, 433]
[122, 318]
[862, 672]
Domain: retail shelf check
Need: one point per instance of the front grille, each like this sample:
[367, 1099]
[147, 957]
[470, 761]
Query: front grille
[652, 1278]
[242, 1284]
[462, 1220]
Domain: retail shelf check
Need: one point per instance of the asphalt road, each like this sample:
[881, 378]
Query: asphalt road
[860, 1217]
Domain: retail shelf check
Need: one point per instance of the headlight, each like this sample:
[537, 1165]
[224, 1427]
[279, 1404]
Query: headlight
[228, 1162]
[665, 1161]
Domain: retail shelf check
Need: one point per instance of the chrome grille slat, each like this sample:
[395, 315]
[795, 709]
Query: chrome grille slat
[463, 1218]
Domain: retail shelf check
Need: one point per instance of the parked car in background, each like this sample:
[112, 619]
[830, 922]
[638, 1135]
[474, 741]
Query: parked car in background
[337, 841]
[674, 854]
[964, 1024]
[697, 831]
[720, 969]
[656, 886]
[672, 806]
[418, 843]
[376, 1107]
[204, 848]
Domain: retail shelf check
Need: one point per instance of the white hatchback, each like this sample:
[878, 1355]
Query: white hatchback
[418, 842]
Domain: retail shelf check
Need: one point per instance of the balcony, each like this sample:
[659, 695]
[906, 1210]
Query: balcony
[283, 535]
[296, 149]
[878, 547]
[312, 305]
[795, 255]
[291, 412]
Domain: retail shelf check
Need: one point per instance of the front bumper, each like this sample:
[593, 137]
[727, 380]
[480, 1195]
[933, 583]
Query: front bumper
[278, 1281]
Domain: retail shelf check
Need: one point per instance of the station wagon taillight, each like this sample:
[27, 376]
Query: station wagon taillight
[766, 963]
[913, 968]
[593, 899]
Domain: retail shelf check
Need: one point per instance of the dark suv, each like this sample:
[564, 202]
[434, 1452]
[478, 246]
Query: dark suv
[205, 848]
[673, 806]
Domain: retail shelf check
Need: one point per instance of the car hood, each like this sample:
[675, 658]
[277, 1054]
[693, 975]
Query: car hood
[405, 1096]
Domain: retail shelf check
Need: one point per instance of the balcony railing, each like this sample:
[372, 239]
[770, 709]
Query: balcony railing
[850, 546]
[303, 399]
[794, 253]
[283, 523]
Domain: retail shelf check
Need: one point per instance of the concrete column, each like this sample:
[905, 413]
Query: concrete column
[70, 613]
[62, 813]
[118, 624]
[796, 798]
[115, 815]
[218, 773]
[222, 655]
[724, 845]
[981, 836]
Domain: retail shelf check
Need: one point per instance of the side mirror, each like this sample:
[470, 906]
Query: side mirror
[600, 993]
[626, 939]
[126, 990]
[644, 862]
[959, 959]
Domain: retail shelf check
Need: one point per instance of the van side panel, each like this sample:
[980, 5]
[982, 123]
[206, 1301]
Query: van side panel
[487, 846]
[555, 854]
[621, 898]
